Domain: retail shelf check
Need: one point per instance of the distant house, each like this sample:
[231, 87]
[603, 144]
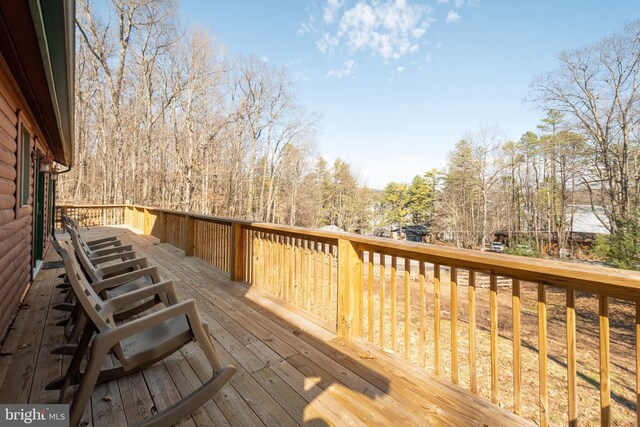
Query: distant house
[332, 228]
[584, 223]
[412, 233]
[585, 219]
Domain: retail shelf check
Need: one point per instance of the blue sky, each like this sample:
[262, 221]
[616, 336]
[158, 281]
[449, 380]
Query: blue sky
[397, 83]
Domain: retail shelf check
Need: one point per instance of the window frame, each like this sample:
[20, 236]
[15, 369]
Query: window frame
[24, 164]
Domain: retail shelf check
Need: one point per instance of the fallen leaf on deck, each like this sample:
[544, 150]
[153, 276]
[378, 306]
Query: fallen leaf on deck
[107, 398]
[296, 332]
[367, 355]
[25, 345]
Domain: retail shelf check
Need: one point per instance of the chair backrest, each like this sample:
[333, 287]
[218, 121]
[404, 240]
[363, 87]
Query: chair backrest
[81, 253]
[69, 222]
[89, 300]
[91, 303]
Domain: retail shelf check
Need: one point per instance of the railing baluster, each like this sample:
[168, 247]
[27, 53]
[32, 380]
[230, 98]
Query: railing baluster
[394, 271]
[453, 284]
[308, 285]
[572, 386]
[637, 328]
[436, 318]
[264, 244]
[370, 296]
[297, 281]
[323, 258]
[282, 288]
[407, 307]
[542, 354]
[605, 387]
[517, 346]
[285, 268]
[423, 314]
[473, 376]
[493, 309]
[303, 279]
[332, 305]
[383, 279]
[279, 266]
[316, 295]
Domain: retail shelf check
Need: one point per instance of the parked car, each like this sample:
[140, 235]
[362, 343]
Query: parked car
[497, 247]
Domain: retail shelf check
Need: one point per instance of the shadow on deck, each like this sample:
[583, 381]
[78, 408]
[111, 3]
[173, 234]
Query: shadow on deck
[290, 370]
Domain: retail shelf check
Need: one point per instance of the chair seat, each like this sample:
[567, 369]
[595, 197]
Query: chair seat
[133, 285]
[158, 340]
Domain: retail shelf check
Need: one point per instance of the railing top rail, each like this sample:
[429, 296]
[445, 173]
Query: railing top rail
[71, 205]
[612, 282]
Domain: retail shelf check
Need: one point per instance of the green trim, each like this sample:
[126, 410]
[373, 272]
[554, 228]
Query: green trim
[54, 26]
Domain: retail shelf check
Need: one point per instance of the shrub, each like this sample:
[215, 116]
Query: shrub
[622, 248]
[523, 246]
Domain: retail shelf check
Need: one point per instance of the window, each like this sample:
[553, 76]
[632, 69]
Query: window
[25, 165]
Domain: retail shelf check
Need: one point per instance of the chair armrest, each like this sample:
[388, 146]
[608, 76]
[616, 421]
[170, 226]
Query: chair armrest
[109, 251]
[91, 243]
[104, 245]
[121, 279]
[106, 258]
[107, 338]
[158, 289]
[115, 268]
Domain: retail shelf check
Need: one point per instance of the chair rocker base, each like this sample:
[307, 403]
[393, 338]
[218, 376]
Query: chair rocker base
[190, 403]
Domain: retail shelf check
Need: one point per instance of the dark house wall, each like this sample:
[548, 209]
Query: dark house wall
[15, 219]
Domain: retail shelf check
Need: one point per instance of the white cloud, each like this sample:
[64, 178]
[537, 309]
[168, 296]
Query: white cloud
[400, 69]
[453, 17]
[442, 1]
[346, 71]
[472, 3]
[389, 29]
[264, 59]
[331, 10]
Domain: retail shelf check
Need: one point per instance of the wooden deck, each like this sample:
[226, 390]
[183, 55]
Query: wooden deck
[290, 370]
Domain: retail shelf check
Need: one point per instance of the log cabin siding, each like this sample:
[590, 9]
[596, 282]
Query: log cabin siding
[16, 222]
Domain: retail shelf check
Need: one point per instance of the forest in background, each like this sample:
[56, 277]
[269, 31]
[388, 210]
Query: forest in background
[165, 117]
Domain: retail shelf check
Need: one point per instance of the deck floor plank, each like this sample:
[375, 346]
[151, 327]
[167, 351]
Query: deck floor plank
[106, 403]
[187, 381]
[17, 383]
[291, 371]
[49, 365]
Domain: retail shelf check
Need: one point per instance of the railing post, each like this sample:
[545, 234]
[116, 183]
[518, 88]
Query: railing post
[134, 218]
[163, 227]
[147, 222]
[236, 266]
[349, 289]
[191, 236]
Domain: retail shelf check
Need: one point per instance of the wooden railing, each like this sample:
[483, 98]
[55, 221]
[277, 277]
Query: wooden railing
[92, 215]
[502, 326]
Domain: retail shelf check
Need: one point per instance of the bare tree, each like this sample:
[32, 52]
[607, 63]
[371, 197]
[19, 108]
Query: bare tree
[596, 87]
